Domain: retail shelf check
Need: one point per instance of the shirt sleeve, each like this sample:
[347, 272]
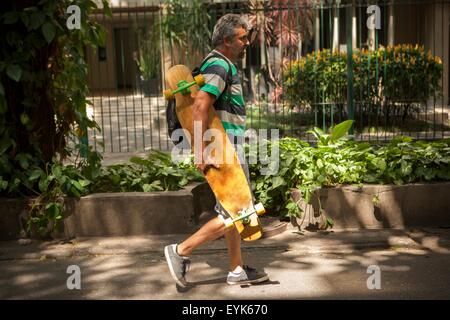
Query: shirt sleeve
[215, 74]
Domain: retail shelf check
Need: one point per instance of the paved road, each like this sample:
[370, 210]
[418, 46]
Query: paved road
[412, 264]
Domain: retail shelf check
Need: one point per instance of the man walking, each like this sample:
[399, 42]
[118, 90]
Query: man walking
[223, 90]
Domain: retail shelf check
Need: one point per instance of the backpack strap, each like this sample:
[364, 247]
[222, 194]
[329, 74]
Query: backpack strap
[228, 80]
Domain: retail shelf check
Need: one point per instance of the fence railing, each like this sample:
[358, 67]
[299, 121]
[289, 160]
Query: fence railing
[310, 63]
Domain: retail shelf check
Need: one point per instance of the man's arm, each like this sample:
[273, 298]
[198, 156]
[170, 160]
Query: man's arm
[203, 101]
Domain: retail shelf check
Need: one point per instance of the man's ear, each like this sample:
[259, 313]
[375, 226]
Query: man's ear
[227, 41]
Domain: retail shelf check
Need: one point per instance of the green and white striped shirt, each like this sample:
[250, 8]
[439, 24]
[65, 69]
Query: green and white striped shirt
[229, 105]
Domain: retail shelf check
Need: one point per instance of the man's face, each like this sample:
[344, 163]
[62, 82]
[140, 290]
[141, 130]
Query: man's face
[239, 43]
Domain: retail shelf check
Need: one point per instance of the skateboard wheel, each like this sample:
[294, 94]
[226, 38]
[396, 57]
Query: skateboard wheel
[200, 80]
[259, 208]
[168, 94]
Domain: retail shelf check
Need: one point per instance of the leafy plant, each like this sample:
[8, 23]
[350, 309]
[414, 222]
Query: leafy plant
[408, 73]
[285, 24]
[337, 132]
[149, 56]
[400, 73]
[57, 181]
[336, 161]
[43, 101]
[156, 173]
[186, 25]
[319, 77]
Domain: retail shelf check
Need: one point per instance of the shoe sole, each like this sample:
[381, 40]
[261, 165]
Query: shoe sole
[172, 272]
[259, 280]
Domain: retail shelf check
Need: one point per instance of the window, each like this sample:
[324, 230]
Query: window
[101, 54]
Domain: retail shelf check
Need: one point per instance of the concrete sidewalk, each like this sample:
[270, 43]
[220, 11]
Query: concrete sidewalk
[413, 264]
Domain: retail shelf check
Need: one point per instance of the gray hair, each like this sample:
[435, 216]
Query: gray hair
[225, 27]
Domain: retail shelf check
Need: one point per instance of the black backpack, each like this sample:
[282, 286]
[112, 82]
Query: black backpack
[171, 115]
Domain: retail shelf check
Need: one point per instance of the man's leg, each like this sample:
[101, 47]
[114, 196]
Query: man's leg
[233, 240]
[177, 255]
[212, 230]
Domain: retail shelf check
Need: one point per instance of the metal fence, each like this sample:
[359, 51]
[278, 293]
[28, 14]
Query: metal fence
[310, 63]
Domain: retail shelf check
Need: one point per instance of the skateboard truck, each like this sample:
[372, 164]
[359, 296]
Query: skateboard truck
[244, 215]
[183, 87]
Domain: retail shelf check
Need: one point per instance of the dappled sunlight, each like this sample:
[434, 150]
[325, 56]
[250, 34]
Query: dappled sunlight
[311, 265]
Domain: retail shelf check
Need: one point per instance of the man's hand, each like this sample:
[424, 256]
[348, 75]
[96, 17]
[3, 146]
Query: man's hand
[206, 165]
[203, 101]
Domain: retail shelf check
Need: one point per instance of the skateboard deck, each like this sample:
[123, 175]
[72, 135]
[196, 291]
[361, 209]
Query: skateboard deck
[228, 182]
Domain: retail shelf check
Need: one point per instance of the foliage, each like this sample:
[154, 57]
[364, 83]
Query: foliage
[408, 73]
[285, 24]
[149, 56]
[321, 76]
[400, 73]
[43, 101]
[336, 161]
[49, 186]
[292, 23]
[156, 173]
[186, 25]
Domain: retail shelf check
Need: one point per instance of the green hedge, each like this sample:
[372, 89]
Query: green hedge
[400, 73]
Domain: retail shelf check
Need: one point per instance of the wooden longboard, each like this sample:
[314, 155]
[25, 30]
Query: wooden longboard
[228, 182]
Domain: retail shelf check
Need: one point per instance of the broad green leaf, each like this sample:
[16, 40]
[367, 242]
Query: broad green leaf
[106, 8]
[5, 143]
[154, 186]
[115, 179]
[10, 17]
[77, 185]
[184, 181]
[23, 160]
[43, 184]
[277, 181]
[289, 159]
[319, 164]
[25, 19]
[75, 192]
[259, 185]
[340, 130]
[14, 72]
[84, 183]
[3, 184]
[35, 174]
[406, 168]
[57, 172]
[24, 119]
[49, 31]
[37, 19]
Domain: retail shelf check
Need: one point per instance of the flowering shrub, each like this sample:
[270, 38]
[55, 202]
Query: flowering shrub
[410, 73]
[400, 73]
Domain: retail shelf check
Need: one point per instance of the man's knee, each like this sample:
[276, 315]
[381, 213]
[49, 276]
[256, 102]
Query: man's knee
[232, 233]
[219, 224]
